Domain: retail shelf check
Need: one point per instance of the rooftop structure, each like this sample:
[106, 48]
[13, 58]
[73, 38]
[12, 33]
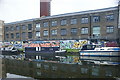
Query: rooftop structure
[44, 8]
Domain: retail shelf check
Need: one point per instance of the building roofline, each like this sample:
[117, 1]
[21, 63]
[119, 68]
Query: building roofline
[28, 20]
[67, 14]
[80, 12]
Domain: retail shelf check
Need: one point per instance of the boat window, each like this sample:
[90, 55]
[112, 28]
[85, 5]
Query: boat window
[98, 46]
[51, 48]
[30, 49]
[43, 49]
[109, 49]
[88, 47]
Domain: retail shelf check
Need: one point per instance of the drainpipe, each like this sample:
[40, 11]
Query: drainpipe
[90, 34]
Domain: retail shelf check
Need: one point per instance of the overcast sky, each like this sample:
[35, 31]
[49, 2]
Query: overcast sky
[17, 10]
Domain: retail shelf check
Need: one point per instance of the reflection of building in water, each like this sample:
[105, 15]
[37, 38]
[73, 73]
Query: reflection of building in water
[40, 69]
[2, 68]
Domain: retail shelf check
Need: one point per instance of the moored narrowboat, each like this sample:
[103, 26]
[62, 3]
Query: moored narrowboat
[32, 52]
[98, 51]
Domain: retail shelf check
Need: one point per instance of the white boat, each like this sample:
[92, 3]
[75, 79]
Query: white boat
[98, 51]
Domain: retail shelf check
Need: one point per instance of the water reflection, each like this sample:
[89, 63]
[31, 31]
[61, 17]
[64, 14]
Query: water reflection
[2, 68]
[63, 67]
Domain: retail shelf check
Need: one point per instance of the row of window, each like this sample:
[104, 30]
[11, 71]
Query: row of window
[18, 35]
[84, 20]
[84, 30]
[23, 35]
[12, 28]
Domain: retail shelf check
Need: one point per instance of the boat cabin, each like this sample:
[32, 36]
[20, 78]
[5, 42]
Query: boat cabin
[90, 47]
[41, 49]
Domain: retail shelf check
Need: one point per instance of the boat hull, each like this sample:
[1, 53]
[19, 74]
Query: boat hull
[32, 52]
[114, 59]
[100, 53]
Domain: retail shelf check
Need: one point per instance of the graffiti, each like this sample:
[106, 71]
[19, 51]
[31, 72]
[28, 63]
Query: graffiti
[72, 44]
[63, 44]
[66, 44]
[45, 44]
[79, 44]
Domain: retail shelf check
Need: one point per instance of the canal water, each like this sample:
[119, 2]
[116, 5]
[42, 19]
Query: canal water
[69, 66]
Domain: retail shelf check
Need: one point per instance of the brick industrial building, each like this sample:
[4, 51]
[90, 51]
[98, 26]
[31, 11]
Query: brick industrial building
[92, 24]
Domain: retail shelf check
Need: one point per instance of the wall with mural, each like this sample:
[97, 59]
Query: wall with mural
[72, 44]
[44, 44]
[63, 44]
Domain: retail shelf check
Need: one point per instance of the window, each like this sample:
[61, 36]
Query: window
[96, 31]
[12, 28]
[17, 35]
[54, 32]
[84, 31]
[29, 35]
[23, 27]
[74, 21]
[74, 31]
[38, 26]
[23, 35]
[63, 32]
[37, 33]
[96, 18]
[12, 35]
[110, 29]
[84, 20]
[110, 17]
[63, 22]
[45, 24]
[45, 33]
[7, 36]
[29, 26]
[54, 23]
[17, 28]
[6, 28]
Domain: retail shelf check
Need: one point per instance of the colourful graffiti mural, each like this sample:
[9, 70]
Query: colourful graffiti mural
[63, 44]
[72, 44]
[45, 44]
